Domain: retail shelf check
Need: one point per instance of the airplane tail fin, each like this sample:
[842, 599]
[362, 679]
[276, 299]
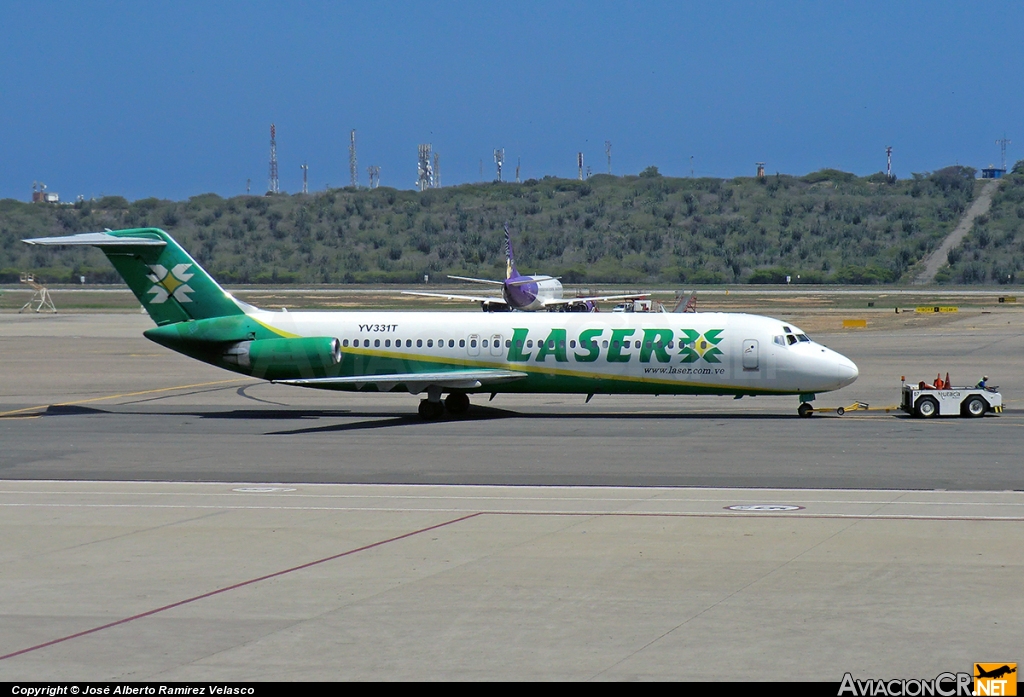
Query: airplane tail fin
[510, 262]
[168, 282]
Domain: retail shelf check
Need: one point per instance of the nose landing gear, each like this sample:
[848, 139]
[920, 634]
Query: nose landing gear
[805, 410]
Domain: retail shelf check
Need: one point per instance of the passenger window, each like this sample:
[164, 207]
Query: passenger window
[376, 343]
[387, 343]
[561, 344]
[484, 343]
[572, 343]
[671, 344]
[408, 343]
[529, 343]
[636, 344]
[462, 343]
[508, 343]
[344, 342]
[419, 343]
[430, 343]
[605, 343]
[519, 343]
[472, 343]
[615, 344]
[551, 344]
[451, 343]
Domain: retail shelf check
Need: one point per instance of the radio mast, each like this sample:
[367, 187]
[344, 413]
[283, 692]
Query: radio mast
[274, 187]
[353, 171]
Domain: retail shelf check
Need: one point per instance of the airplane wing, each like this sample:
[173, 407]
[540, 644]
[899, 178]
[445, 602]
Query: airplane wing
[478, 280]
[490, 300]
[594, 298]
[415, 382]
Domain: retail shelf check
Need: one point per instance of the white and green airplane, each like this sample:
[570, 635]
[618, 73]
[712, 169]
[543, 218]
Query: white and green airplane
[458, 353]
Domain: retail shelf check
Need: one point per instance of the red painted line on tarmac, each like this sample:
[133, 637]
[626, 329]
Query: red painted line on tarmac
[238, 585]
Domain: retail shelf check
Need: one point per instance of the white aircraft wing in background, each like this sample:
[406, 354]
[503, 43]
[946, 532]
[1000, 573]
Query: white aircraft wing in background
[594, 299]
[488, 299]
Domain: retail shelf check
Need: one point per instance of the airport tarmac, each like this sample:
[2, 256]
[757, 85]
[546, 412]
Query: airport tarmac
[166, 520]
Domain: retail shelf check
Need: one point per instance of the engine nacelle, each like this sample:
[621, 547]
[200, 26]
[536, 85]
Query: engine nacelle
[277, 359]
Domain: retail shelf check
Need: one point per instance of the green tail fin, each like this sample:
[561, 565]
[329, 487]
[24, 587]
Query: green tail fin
[166, 280]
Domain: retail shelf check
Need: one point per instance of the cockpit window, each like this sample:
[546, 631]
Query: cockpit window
[786, 329]
[780, 340]
[791, 339]
[802, 337]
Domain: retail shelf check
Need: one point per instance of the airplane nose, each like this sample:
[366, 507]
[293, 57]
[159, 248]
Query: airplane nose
[847, 371]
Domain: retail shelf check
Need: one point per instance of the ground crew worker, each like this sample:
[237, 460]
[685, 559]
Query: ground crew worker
[982, 384]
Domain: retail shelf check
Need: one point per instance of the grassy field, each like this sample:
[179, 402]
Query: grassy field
[814, 309]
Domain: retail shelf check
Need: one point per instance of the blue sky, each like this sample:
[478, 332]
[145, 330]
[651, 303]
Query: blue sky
[175, 99]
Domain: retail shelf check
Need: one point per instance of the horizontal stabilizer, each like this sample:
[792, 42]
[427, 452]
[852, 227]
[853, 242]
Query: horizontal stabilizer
[477, 280]
[415, 382]
[97, 239]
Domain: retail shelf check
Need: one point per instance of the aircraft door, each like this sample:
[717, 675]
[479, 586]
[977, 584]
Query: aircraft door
[750, 361]
[497, 349]
[474, 345]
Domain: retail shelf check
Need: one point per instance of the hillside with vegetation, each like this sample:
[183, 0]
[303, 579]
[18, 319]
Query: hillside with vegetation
[826, 227]
[993, 251]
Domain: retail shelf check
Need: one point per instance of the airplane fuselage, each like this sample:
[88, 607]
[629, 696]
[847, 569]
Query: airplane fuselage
[528, 293]
[613, 353]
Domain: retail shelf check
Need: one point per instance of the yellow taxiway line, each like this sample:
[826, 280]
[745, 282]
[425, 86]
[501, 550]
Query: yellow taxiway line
[116, 396]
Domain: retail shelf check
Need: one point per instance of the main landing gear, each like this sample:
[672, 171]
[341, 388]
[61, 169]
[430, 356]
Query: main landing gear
[432, 408]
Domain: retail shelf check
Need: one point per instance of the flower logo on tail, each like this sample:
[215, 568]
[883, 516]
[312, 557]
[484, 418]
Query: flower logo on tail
[173, 283]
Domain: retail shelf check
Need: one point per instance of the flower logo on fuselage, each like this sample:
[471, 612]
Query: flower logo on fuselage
[697, 346]
[173, 283]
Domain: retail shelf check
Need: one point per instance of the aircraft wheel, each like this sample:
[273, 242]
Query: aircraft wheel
[431, 410]
[840, 411]
[457, 402]
[975, 407]
[805, 410]
[927, 407]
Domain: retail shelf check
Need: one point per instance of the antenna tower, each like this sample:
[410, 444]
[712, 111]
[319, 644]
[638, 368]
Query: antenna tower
[579, 163]
[888, 161]
[608, 152]
[424, 169]
[499, 160]
[519, 161]
[437, 171]
[373, 172]
[1002, 143]
[760, 170]
[274, 186]
[305, 178]
[353, 171]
